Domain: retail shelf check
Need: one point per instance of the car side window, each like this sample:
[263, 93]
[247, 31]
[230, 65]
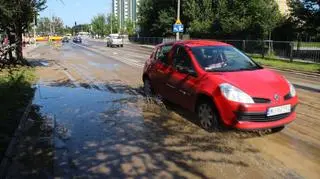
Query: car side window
[182, 59]
[162, 54]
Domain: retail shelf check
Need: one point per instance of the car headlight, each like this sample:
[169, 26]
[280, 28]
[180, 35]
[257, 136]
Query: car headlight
[292, 89]
[235, 94]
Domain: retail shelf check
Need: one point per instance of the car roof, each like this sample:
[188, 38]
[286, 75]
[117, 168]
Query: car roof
[198, 43]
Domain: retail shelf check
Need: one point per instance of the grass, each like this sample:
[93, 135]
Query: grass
[286, 65]
[15, 93]
[309, 44]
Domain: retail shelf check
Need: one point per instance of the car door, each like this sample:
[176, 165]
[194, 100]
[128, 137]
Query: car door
[183, 78]
[161, 69]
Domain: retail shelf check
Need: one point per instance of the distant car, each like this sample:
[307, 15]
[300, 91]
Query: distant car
[221, 85]
[114, 40]
[65, 40]
[69, 36]
[77, 40]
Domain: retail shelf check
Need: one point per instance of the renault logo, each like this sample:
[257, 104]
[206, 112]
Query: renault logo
[276, 97]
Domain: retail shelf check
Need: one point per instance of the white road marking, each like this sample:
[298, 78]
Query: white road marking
[124, 60]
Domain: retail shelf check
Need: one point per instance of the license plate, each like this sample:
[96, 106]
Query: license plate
[279, 110]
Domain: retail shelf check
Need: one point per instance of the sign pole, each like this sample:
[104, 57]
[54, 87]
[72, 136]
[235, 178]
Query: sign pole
[178, 19]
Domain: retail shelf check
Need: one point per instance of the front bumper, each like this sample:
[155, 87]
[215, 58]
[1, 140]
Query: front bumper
[247, 121]
[254, 116]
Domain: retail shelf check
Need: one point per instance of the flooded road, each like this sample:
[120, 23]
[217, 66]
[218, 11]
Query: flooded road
[105, 128]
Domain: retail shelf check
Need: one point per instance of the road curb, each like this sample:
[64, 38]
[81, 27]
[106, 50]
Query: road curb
[308, 88]
[17, 134]
[297, 72]
[147, 46]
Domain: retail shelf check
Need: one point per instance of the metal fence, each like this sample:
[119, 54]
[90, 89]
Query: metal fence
[303, 51]
[279, 49]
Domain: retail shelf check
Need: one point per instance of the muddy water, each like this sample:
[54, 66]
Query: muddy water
[111, 133]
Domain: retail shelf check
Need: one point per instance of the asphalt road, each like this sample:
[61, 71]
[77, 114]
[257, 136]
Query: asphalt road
[111, 131]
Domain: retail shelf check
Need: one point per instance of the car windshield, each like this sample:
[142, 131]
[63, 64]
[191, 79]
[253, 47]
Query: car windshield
[223, 58]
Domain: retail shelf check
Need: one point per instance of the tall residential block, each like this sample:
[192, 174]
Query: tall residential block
[125, 10]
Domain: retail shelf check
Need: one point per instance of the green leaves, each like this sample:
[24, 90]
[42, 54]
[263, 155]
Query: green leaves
[306, 15]
[99, 25]
[210, 18]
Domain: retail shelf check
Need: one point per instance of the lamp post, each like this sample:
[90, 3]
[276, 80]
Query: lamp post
[178, 19]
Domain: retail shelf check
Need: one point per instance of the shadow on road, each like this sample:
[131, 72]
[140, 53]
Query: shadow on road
[116, 132]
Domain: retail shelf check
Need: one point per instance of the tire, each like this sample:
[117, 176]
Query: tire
[208, 115]
[121, 45]
[277, 129]
[147, 88]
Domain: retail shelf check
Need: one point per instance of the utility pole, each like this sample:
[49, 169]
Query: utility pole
[178, 18]
[111, 21]
[34, 27]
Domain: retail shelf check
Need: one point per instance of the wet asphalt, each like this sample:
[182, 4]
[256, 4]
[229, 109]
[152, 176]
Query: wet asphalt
[106, 128]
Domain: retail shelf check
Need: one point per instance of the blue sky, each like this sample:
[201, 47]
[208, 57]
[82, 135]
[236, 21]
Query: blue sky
[81, 11]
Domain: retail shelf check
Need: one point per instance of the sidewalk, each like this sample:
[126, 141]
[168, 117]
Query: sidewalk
[30, 48]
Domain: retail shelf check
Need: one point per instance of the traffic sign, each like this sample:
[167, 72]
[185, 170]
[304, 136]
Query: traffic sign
[178, 21]
[178, 28]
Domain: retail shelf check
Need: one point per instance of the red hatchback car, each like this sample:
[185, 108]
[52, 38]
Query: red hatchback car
[221, 84]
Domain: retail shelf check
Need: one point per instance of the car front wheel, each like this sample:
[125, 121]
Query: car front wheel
[207, 116]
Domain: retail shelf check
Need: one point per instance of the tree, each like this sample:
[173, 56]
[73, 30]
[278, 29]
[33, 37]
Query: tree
[57, 25]
[306, 16]
[15, 18]
[112, 24]
[252, 19]
[157, 17]
[129, 27]
[99, 25]
[67, 30]
[43, 26]
[81, 28]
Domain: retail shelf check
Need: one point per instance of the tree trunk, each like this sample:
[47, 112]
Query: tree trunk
[11, 41]
[19, 54]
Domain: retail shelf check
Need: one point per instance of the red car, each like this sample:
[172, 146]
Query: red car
[221, 84]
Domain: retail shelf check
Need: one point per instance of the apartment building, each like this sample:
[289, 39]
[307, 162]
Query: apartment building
[125, 10]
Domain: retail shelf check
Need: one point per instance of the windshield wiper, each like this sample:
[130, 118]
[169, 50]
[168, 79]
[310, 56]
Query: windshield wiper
[249, 69]
[233, 70]
[218, 70]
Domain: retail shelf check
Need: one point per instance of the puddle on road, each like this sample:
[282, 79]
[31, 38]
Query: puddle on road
[114, 134]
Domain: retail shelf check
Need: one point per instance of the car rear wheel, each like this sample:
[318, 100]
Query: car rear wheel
[147, 88]
[208, 116]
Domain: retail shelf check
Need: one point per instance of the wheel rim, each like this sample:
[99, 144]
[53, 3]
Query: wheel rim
[206, 116]
[147, 88]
